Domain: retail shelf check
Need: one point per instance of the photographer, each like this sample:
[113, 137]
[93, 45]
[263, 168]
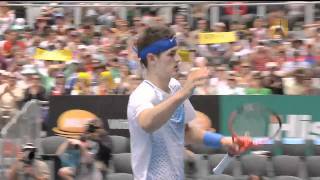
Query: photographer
[27, 167]
[71, 152]
[98, 135]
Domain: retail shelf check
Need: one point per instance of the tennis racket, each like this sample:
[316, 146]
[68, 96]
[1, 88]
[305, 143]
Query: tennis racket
[250, 120]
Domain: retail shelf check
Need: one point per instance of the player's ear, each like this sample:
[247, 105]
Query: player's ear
[151, 58]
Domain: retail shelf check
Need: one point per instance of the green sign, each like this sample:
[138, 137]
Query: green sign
[300, 114]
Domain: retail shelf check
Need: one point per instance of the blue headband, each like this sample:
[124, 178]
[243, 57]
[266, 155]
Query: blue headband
[157, 47]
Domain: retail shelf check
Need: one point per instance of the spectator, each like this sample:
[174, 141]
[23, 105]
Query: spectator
[27, 166]
[256, 86]
[10, 96]
[83, 84]
[259, 31]
[71, 153]
[7, 18]
[60, 86]
[96, 132]
[232, 88]
[35, 90]
[273, 81]
[105, 84]
[12, 44]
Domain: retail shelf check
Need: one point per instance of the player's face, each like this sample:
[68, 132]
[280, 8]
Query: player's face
[168, 62]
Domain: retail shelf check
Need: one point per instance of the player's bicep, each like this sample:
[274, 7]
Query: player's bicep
[190, 111]
[142, 116]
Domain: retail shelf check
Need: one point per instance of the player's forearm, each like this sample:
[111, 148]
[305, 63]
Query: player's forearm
[195, 135]
[154, 118]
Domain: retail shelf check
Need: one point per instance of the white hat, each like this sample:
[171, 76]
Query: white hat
[19, 24]
[73, 61]
[81, 46]
[220, 24]
[271, 64]
[28, 146]
[28, 69]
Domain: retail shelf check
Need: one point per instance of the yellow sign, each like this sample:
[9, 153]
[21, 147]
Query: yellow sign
[184, 55]
[56, 55]
[217, 37]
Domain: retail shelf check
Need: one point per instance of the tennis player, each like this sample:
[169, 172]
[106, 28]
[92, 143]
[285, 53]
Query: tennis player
[159, 111]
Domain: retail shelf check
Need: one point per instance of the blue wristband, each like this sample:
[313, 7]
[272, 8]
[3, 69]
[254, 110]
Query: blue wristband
[212, 139]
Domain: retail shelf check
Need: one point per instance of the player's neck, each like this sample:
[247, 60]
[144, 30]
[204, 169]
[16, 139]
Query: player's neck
[161, 82]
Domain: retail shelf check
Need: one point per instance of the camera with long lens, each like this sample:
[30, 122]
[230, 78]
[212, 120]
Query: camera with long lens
[29, 152]
[91, 128]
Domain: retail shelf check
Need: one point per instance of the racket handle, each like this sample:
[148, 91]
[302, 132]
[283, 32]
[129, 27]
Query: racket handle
[223, 164]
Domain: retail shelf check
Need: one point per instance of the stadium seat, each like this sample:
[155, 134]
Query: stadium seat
[232, 169]
[120, 176]
[286, 178]
[122, 163]
[120, 144]
[255, 165]
[50, 144]
[316, 147]
[200, 149]
[271, 146]
[313, 166]
[219, 177]
[196, 166]
[49, 148]
[293, 146]
[284, 165]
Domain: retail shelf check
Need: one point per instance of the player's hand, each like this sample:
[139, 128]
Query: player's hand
[194, 79]
[241, 144]
[237, 145]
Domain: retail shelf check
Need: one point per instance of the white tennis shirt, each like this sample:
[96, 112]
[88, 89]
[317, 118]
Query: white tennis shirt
[160, 154]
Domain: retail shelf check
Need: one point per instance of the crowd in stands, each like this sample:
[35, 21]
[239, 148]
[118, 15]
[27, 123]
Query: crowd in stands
[264, 60]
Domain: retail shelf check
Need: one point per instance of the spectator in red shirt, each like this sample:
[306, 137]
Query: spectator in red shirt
[12, 43]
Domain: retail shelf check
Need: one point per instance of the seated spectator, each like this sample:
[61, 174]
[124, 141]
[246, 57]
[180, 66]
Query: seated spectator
[83, 85]
[10, 96]
[256, 88]
[27, 166]
[71, 152]
[12, 43]
[244, 77]
[60, 85]
[105, 84]
[232, 87]
[273, 81]
[35, 90]
[96, 133]
[205, 90]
